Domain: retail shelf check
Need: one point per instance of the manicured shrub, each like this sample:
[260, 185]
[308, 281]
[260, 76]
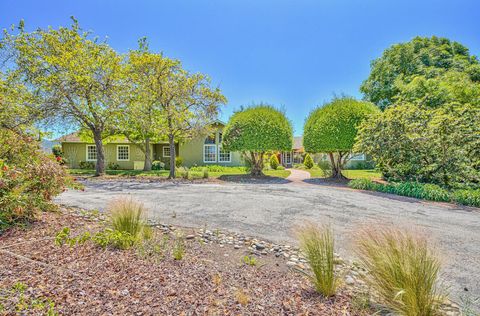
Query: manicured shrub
[158, 165]
[178, 161]
[127, 216]
[86, 165]
[113, 166]
[274, 162]
[317, 243]
[256, 130]
[361, 184]
[205, 173]
[402, 269]
[467, 197]
[280, 168]
[308, 161]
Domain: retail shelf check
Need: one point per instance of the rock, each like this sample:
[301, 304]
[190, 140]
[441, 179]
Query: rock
[190, 237]
[259, 246]
[125, 292]
[349, 280]
[291, 263]
[237, 246]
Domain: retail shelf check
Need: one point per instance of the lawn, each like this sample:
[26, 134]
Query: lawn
[350, 174]
[196, 173]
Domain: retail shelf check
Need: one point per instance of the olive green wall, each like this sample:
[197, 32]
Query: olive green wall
[77, 152]
[192, 153]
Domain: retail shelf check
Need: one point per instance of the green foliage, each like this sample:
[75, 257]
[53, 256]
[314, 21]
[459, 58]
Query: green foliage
[205, 173]
[158, 165]
[256, 130]
[274, 162]
[326, 168]
[318, 246]
[57, 150]
[19, 300]
[280, 168]
[434, 145]
[250, 260]
[219, 168]
[308, 161]
[467, 197]
[28, 179]
[86, 165]
[178, 250]
[402, 269]
[178, 161]
[113, 166]
[127, 216]
[424, 58]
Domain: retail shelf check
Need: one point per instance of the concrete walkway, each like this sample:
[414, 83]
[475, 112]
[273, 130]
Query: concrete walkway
[297, 176]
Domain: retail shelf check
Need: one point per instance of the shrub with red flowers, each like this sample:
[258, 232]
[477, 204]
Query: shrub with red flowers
[28, 179]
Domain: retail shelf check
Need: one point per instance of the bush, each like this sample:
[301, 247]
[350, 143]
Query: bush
[113, 166]
[127, 216]
[274, 162]
[158, 165]
[326, 168]
[280, 168]
[57, 150]
[318, 246]
[402, 269]
[178, 161]
[308, 161]
[205, 173]
[86, 165]
[467, 197]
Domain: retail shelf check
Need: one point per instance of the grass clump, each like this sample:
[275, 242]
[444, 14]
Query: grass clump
[317, 243]
[402, 270]
[127, 216]
[250, 260]
[178, 251]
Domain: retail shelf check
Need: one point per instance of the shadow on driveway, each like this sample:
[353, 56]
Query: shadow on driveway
[242, 178]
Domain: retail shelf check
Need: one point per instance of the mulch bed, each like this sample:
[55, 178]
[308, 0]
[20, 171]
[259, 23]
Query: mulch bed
[210, 280]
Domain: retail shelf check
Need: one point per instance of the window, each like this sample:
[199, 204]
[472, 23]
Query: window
[209, 153]
[91, 153]
[166, 151]
[288, 157]
[123, 152]
[223, 155]
[210, 139]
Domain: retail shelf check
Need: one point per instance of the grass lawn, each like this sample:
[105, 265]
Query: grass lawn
[350, 174]
[196, 174]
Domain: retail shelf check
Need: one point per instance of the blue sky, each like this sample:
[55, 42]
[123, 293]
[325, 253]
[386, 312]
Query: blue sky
[292, 54]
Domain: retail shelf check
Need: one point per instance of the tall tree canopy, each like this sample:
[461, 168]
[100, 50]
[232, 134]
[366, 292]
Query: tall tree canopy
[332, 129]
[402, 64]
[256, 130]
[76, 76]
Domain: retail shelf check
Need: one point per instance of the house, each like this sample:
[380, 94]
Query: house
[202, 150]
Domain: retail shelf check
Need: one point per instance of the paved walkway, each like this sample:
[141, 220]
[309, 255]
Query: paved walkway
[297, 176]
[272, 211]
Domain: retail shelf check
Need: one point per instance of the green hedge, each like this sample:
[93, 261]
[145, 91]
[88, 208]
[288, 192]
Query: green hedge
[426, 191]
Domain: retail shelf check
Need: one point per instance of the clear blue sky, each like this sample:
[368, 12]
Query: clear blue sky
[292, 54]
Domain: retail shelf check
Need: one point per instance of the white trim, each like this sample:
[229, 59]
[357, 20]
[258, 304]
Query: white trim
[357, 157]
[163, 151]
[210, 145]
[285, 155]
[128, 151]
[219, 148]
[86, 152]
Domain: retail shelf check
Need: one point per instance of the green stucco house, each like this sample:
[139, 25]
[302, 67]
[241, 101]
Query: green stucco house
[199, 151]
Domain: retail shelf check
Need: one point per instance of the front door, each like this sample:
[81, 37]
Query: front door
[287, 159]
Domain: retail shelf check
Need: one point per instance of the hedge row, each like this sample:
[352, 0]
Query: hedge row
[426, 191]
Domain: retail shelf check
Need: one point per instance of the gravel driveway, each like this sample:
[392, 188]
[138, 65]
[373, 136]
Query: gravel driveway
[271, 211]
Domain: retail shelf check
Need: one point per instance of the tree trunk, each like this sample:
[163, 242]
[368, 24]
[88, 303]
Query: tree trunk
[147, 166]
[257, 164]
[100, 166]
[336, 166]
[173, 154]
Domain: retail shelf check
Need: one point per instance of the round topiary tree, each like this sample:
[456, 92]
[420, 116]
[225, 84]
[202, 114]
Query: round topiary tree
[256, 130]
[332, 129]
[308, 161]
[274, 161]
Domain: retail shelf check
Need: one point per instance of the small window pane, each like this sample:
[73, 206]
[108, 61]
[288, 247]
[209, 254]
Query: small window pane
[91, 152]
[209, 153]
[123, 153]
[166, 151]
[223, 155]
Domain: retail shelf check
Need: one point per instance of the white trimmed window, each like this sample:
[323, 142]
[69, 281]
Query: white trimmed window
[123, 152]
[209, 153]
[223, 155]
[166, 151]
[91, 153]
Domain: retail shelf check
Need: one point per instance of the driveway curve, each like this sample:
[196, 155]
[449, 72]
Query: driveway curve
[271, 211]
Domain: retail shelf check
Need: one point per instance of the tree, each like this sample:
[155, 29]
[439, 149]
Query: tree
[429, 58]
[186, 103]
[256, 130]
[77, 78]
[332, 129]
[308, 161]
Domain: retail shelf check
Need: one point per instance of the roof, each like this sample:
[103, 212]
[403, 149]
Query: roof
[298, 143]
[75, 138]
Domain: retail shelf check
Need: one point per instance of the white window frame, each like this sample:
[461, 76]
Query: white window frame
[163, 151]
[219, 156]
[128, 151]
[86, 153]
[357, 157]
[215, 151]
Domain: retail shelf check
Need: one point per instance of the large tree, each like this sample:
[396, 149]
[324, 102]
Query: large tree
[79, 78]
[255, 131]
[181, 104]
[429, 58]
[332, 129]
